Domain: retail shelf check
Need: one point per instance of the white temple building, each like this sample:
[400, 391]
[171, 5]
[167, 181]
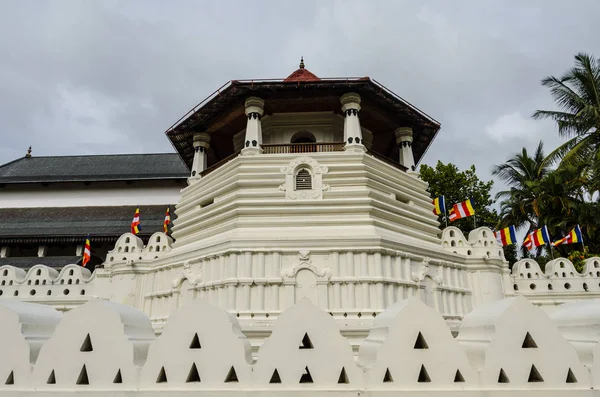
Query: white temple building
[300, 199]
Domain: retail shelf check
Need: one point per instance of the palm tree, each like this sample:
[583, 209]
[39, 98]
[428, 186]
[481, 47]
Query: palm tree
[522, 173]
[577, 94]
[560, 196]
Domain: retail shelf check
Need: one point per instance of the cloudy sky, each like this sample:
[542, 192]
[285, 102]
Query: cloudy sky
[92, 77]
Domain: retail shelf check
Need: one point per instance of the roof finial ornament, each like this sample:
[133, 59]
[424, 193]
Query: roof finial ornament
[302, 62]
[28, 152]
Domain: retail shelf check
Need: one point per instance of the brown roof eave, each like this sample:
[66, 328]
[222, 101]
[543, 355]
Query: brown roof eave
[181, 133]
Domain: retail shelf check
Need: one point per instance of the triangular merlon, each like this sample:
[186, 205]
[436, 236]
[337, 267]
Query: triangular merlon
[421, 343]
[162, 376]
[528, 342]
[51, 379]
[306, 376]
[458, 377]
[231, 376]
[193, 375]
[423, 375]
[86, 346]
[195, 344]
[306, 342]
[275, 378]
[10, 380]
[534, 375]
[83, 379]
[502, 378]
[343, 378]
[388, 376]
[571, 377]
[118, 377]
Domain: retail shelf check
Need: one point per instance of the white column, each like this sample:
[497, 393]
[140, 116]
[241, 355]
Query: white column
[4, 251]
[42, 249]
[254, 111]
[404, 138]
[352, 132]
[201, 145]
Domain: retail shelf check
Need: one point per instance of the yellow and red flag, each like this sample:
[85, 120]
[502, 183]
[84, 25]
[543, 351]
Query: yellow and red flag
[574, 236]
[537, 238]
[135, 223]
[439, 205]
[461, 210]
[167, 221]
[87, 252]
[506, 236]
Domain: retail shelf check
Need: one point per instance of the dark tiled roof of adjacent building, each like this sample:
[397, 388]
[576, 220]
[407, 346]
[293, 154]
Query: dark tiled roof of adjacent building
[51, 261]
[118, 167]
[71, 224]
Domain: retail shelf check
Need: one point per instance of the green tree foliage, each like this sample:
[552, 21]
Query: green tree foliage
[566, 196]
[553, 198]
[522, 173]
[537, 194]
[457, 186]
[511, 253]
[577, 94]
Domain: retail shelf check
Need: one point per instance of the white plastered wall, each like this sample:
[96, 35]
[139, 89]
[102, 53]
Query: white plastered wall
[495, 337]
[90, 197]
[429, 354]
[323, 355]
[118, 337]
[204, 337]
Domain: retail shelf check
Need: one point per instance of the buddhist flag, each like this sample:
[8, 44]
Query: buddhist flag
[439, 204]
[573, 237]
[87, 252]
[167, 221]
[135, 223]
[506, 236]
[537, 238]
[461, 210]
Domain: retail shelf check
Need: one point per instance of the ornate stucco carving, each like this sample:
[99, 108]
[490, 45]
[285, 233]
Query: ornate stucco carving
[425, 271]
[187, 274]
[304, 262]
[316, 171]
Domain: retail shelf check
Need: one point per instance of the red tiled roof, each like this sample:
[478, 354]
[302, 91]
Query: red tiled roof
[302, 74]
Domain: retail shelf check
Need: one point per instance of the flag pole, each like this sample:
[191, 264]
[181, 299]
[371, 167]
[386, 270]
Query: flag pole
[83, 250]
[549, 242]
[445, 213]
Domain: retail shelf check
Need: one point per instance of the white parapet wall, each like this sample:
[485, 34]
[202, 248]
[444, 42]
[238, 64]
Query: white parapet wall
[558, 283]
[352, 284]
[515, 344]
[509, 347]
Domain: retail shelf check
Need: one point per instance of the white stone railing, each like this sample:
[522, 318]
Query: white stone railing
[43, 283]
[509, 347]
[481, 243]
[559, 279]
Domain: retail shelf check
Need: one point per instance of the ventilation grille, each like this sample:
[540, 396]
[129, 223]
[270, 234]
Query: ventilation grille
[303, 180]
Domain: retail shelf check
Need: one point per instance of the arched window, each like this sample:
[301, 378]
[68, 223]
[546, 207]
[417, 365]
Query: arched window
[303, 180]
[303, 137]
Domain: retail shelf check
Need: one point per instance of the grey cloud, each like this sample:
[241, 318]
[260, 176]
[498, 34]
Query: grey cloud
[108, 77]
